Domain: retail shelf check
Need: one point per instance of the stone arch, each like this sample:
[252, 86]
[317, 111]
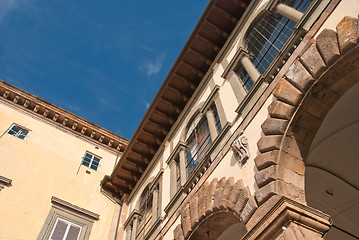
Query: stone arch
[313, 84]
[222, 199]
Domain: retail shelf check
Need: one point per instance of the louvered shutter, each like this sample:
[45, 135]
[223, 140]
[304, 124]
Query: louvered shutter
[73, 233]
[59, 230]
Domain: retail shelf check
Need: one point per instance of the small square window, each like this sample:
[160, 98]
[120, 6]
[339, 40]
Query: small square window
[91, 161]
[18, 131]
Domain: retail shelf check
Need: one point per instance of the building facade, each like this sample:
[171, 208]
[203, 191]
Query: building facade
[253, 133]
[52, 163]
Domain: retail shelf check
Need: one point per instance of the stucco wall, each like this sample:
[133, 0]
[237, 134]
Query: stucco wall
[47, 163]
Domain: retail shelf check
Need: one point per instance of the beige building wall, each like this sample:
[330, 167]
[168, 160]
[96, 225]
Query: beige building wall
[228, 165]
[48, 163]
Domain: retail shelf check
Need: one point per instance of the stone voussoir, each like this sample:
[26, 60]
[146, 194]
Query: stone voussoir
[299, 76]
[210, 197]
[186, 220]
[269, 143]
[279, 109]
[234, 194]
[248, 210]
[193, 206]
[202, 201]
[274, 126]
[178, 233]
[266, 159]
[313, 61]
[266, 175]
[218, 194]
[226, 193]
[327, 44]
[288, 93]
[347, 32]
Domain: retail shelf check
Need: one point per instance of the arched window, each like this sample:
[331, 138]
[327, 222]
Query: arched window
[198, 140]
[145, 210]
[266, 38]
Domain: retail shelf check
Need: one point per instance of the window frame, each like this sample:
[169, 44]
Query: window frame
[90, 164]
[18, 133]
[61, 209]
[201, 144]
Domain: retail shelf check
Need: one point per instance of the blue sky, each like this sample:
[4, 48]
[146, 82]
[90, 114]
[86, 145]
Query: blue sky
[102, 60]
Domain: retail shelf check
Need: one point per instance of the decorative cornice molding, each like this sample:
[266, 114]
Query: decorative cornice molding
[61, 118]
[67, 205]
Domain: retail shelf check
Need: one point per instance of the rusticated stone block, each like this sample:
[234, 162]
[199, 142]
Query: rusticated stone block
[286, 160]
[242, 200]
[202, 200]
[287, 93]
[227, 189]
[178, 233]
[266, 175]
[211, 190]
[234, 194]
[279, 109]
[281, 188]
[193, 206]
[269, 143]
[347, 31]
[327, 44]
[249, 209]
[186, 220]
[266, 159]
[313, 61]
[218, 194]
[299, 76]
[274, 126]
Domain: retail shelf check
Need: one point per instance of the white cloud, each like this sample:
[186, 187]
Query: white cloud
[154, 66]
[7, 6]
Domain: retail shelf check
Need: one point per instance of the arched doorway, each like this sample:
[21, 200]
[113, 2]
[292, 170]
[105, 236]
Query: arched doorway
[215, 211]
[331, 176]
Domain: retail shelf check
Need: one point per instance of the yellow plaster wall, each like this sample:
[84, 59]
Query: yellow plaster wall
[47, 163]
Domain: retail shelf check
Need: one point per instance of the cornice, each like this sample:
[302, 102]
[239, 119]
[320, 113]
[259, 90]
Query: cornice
[192, 67]
[61, 118]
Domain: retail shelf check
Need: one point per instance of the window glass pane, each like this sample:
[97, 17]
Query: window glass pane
[73, 233]
[59, 230]
[18, 131]
[197, 145]
[91, 161]
[266, 39]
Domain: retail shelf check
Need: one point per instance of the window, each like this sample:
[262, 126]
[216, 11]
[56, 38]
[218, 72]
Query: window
[18, 131]
[67, 222]
[267, 37]
[146, 214]
[198, 141]
[91, 161]
[65, 230]
[216, 118]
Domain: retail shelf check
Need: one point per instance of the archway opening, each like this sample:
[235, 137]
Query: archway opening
[219, 226]
[331, 177]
